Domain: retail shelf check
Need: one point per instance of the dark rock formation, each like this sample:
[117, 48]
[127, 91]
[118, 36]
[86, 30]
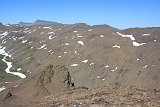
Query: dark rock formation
[55, 78]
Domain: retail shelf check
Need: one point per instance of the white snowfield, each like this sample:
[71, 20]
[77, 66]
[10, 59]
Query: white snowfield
[114, 69]
[2, 88]
[48, 28]
[73, 65]
[132, 38]
[66, 43]
[9, 64]
[101, 36]
[81, 42]
[129, 36]
[4, 34]
[75, 31]
[85, 61]
[51, 37]
[116, 46]
[138, 44]
[145, 34]
[43, 46]
[24, 41]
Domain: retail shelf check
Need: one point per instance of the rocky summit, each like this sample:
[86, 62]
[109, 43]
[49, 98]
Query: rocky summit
[49, 64]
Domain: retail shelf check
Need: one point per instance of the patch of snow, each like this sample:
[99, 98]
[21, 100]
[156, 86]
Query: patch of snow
[43, 46]
[31, 47]
[9, 64]
[2, 88]
[26, 28]
[27, 58]
[50, 51]
[73, 65]
[130, 36]
[91, 63]
[90, 30]
[19, 69]
[98, 77]
[114, 69]
[47, 28]
[65, 52]
[30, 42]
[51, 33]
[137, 59]
[107, 66]
[42, 33]
[113, 33]
[50, 37]
[3, 41]
[24, 41]
[66, 37]
[41, 41]
[15, 31]
[16, 86]
[21, 37]
[81, 42]
[79, 36]
[155, 40]
[4, 34]
[59, 56]
[66, 43]
[145, 34]
[138, 44]
[14, 39]
[145, 66]
[103, 79]
[152, 65]
[75, 52]
[75, 31]
[85, 61]
[116, 46]
[101, 36]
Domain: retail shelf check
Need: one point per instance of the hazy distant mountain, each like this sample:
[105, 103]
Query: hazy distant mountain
[43, 22]
[37, 22]
[24, 24]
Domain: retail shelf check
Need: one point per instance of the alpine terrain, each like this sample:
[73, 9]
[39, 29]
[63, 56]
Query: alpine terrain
[50, 64]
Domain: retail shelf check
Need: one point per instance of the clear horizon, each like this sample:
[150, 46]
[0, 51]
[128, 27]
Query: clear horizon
[117, 13]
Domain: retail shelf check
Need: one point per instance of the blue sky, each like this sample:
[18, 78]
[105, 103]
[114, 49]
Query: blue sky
[117, 13]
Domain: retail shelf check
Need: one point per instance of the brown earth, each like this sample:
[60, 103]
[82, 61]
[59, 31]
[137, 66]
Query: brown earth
[99, 63]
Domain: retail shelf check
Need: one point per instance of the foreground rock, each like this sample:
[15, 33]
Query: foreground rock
[51, 80]
[109, 96]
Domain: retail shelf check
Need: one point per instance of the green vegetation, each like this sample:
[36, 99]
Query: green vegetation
[139, 72]
[122, 72]
[117, 83]
[1, 56]
[32, 39]
[125, 71]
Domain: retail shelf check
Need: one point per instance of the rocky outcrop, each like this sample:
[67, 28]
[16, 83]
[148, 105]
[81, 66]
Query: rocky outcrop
[55, 78]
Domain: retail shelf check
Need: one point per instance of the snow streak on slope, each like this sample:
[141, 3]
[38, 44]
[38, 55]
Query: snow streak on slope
[9, 64]
[132, 38]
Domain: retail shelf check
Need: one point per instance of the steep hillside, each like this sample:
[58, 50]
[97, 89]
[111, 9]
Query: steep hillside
[94, 56]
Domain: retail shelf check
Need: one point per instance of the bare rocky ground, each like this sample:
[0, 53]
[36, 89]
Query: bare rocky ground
[109, 96]
[101, 58]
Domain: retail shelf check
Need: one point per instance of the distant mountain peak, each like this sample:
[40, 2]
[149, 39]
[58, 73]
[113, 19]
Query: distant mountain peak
[43, 22]
[38, 22]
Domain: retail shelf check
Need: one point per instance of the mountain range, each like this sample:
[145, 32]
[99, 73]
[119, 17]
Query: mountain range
[66, 65]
